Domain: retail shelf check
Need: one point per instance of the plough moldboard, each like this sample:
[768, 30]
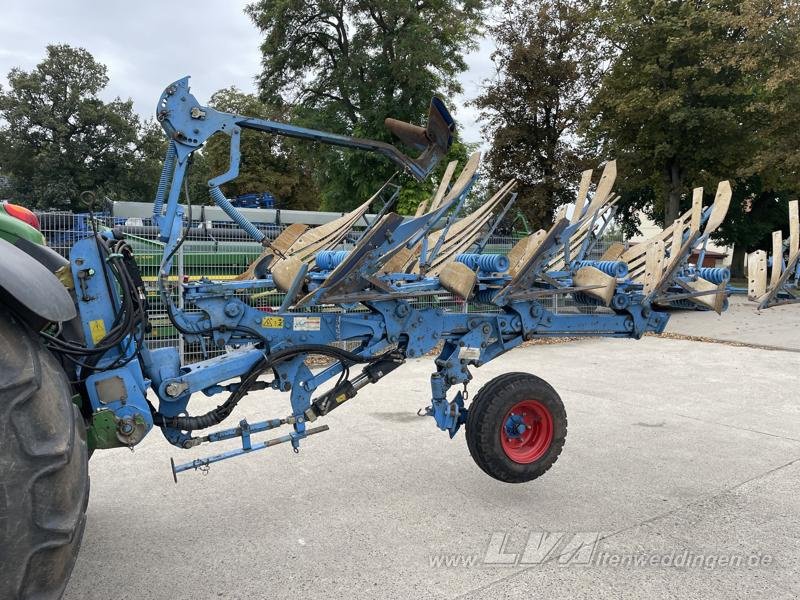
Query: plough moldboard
[783, 286]
[380, 299]
[773, 279]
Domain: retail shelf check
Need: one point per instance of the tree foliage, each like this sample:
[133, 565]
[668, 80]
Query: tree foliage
[58, 138]
[549, 60]
[671, 106]
[345, 65]
[685, 101]
[702, 91]
[769, 58]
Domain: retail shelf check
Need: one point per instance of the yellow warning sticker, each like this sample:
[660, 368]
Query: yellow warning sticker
[98, 330]
[272, 322]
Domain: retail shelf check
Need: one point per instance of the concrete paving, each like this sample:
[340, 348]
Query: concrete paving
[680, 479]
[778, 326]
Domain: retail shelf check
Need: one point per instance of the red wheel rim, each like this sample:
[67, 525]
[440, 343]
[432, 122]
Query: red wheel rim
[526, 432]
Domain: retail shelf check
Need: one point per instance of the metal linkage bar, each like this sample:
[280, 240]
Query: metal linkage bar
[243, 431]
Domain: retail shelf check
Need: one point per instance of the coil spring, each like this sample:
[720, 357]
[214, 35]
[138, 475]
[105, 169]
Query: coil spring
[485, 296]
[715, 275]
[330, 259]
[166, 171]
[230, 210]
[615, 268]
[583, 298]
[488, 263]
[686, 304]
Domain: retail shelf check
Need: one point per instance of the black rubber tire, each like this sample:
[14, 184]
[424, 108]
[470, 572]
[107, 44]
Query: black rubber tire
[44, 478]
[485, 419]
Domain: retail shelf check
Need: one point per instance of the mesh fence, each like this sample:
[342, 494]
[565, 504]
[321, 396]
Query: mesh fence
[221, 251]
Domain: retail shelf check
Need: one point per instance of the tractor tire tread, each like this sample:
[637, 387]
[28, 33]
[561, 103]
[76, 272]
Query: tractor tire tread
[44, 480]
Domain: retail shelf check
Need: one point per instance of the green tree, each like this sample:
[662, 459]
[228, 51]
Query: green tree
[702, 91]
[768, 56]
[269, 163]
[549, 62]
[345, 65]
[57, 138]
[756, 211]
[671, 106]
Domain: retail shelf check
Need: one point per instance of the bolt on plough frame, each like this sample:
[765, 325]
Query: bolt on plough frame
[376, 297]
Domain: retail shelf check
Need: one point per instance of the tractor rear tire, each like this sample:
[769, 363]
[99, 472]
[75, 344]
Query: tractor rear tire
[516, 427]
[44, 479]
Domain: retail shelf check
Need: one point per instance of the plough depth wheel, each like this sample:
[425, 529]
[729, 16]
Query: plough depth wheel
[516, 427]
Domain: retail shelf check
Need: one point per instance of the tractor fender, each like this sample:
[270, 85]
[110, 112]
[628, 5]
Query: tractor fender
[28, 287]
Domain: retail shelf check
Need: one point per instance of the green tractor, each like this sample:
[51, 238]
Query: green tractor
[19, 223]
[44, 478]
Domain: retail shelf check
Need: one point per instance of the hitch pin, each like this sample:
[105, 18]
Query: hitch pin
[203, 464]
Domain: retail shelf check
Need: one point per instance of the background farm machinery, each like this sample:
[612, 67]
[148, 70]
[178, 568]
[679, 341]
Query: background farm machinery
[783, 286]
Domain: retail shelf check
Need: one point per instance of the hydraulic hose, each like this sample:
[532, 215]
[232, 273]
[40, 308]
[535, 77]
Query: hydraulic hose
[221, 412]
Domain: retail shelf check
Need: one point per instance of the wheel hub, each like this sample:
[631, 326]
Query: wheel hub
[527, 431]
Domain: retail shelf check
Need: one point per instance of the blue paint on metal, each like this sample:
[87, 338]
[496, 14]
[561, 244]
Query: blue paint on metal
[219, 198]
[247, 447]
[122, 389]
[615, 268]
[327, 260]
[166, 173]
[715, 275]
[167, 222]
[457, 203]
[487, 263]
[514, 426]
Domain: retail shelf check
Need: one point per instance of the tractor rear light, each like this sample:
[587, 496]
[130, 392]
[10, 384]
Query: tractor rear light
[23, 214]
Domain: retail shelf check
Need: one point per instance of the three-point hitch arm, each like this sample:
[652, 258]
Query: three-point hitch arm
[189, 125]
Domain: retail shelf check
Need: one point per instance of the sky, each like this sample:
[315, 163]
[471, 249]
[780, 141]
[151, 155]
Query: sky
[147, 44]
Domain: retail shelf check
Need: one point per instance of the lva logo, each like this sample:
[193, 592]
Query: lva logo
[558, 546]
